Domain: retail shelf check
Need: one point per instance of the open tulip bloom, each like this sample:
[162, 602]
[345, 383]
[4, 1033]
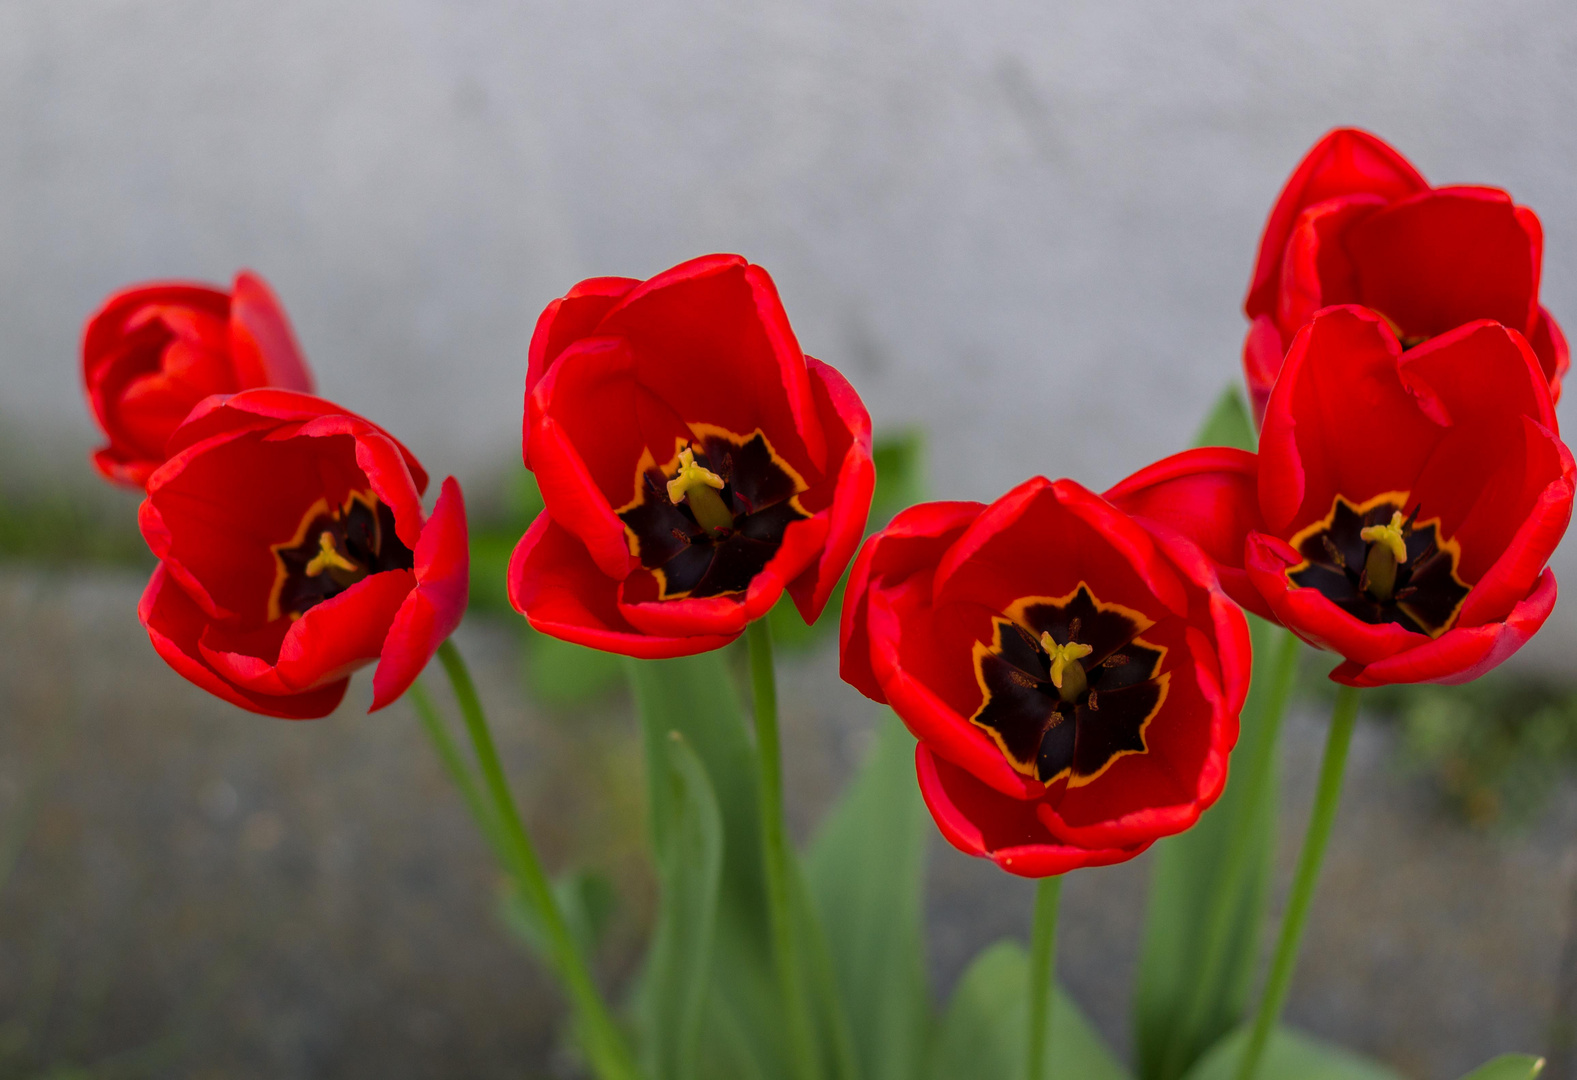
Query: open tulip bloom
[1074, 685]
[1073, 668]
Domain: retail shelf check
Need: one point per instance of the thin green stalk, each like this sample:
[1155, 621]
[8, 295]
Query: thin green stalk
[604, 1044]
[775, 849]
[454, 763]
[1256, 778]
[1326, 798]
[1042, 967]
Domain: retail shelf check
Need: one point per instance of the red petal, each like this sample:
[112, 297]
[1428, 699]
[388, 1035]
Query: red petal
[175, 624]
[891, 614]
[914, 540]
[1340, 421]
[1043, 538]
[1461, 654]
[330, 641]
[1263, 350]
[1317, 271]
[556, 586]
[979, 821]
[1445, 257]
[1209, 495]
[435, 607]
[1345, 162]
[848, 426]
[1549, 345]
[712, 341]
[262, 345]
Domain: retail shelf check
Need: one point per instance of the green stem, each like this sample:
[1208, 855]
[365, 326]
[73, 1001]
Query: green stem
[775, 849]
[604, 1045]
[454, 764]
[1042, 967]
[1326, 797]
[1257, 774]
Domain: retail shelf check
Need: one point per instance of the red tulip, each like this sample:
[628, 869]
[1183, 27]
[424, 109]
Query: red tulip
[153, 351]
[1074, 680]
[694, 463]
[293, 551]
[1403, 505]
[1357, 224]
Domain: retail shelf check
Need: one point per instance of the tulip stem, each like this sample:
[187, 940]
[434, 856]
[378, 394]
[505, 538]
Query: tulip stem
[775, 849]
[1256, 778]
[1042, 969]
[604, 1044]
[1326, 797]
[454, 764]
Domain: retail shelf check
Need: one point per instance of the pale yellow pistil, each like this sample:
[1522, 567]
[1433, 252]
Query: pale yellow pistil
[1387, 551]
[699, 486]
[329, 558]
[1067, 674]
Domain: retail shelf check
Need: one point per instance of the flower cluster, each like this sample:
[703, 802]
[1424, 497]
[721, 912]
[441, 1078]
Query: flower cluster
[1072, 665]
[292, 543]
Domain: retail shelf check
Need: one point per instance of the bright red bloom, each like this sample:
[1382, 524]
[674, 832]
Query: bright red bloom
[293, 551]
[1403, 505]
[153, 351]
[693, 461]
[1357, 224]
[1074, 680]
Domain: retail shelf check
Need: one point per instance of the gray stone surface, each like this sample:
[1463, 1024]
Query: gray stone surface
[203, 893]
[1027, 226]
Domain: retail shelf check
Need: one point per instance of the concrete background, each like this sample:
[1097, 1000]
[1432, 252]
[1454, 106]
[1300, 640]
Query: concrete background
[1026, 226]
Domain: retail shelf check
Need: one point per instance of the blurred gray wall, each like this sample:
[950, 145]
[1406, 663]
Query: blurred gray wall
[1025, 225]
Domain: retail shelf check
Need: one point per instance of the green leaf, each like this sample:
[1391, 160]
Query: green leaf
[1290, 1055]
[586, 898]
[866, 874]
[1176, 1016]
[561, 674]
[688, 841]
[1509, 1067]
[1229, 423]
[696, 696]
[984, 1030]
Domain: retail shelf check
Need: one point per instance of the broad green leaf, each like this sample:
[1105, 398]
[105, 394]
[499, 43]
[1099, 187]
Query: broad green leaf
[1229, 423]
[561, 674]
[984, 1031]
[696, 696]
[1290, 1055]
[1509, 1067]
[688, 841]
[866, 873]
[1176, 1015]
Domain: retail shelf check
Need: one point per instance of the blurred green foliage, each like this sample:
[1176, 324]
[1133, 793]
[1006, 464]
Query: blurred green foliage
[71, 527]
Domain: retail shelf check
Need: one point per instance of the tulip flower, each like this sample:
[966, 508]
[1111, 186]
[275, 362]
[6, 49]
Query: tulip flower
[294, 550]
[1357, 224]
[153, 351]
[693, 461]
[1403, 505]
[1073, 680]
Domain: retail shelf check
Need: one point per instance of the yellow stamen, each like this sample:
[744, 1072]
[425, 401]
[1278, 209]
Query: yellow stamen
[1389, 535]
[328, 557]
[1067, 674]
[698, 485]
